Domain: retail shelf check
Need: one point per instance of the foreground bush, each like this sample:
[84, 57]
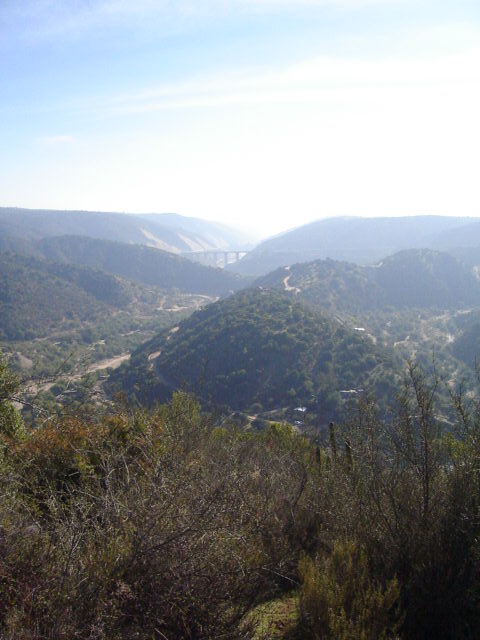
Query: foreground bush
[339, 600]
[149, 527]
[165, 526]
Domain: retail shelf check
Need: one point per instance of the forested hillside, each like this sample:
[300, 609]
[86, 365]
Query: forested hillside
[37, 297]
[140, 263]
[417, 278]
[257, 349]
[62, 323]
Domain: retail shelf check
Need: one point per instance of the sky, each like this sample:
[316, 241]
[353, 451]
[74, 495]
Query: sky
[261, 114]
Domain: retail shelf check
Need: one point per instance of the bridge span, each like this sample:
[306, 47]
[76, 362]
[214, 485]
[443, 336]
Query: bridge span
[215, 257]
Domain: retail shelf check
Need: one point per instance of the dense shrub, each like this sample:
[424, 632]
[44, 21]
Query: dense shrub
[158, 526]
[165, 525]
[339, 600]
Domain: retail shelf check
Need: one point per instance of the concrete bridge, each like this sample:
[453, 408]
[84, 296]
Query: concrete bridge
[215, 257]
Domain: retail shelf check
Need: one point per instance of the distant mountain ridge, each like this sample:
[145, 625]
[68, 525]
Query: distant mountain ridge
[169, 232]
[359, 240]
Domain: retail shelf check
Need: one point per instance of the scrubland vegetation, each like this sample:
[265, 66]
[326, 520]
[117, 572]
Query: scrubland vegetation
[165, 525]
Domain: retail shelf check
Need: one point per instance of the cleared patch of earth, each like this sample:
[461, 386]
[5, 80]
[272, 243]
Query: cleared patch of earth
[288, 287]
[109, 363]
[23, 361]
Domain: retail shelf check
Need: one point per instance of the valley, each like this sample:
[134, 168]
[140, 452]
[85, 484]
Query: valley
[113, 298]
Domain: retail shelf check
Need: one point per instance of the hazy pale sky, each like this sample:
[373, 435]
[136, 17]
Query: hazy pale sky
[263, 114]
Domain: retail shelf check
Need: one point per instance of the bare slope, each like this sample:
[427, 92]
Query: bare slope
[152, 230]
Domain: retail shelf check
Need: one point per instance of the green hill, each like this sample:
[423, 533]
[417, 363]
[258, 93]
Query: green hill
[257, 349]
[409, 279]
[37, 297]
[142, 264]
[425, 278]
